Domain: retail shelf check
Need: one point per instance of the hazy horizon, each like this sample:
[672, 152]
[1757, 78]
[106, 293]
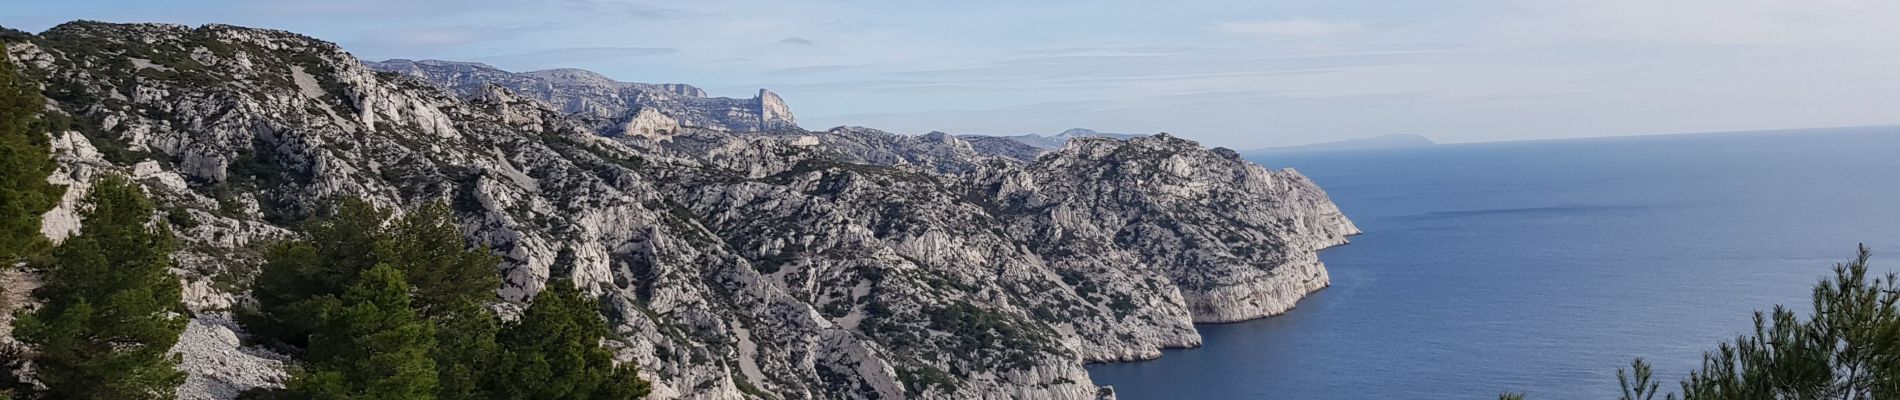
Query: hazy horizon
[1241, 76]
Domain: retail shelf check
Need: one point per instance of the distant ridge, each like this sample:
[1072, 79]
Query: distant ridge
[1057, 140]
[608, 106]
[1391, 141]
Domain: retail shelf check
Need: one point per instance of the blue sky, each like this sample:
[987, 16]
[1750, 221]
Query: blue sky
[1234, 73]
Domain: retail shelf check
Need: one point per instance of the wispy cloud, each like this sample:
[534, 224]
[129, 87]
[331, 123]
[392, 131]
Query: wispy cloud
[1111, 50]
[1289, 27]
[356, 8]
[425, 39]
[812, 69]
[627, 9]
[796, 41]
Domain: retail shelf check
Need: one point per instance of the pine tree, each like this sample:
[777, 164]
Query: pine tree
[447, 274]
[465, 352]
[368, 344]
[340, 247]
[110, 308]
[554, 352]
[452, 283]
[24, 165]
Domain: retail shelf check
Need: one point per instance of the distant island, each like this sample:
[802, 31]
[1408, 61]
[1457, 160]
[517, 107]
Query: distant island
[1392, 141]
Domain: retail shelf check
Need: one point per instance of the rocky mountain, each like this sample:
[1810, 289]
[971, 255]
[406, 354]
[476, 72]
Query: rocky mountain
[609, 106]
[1050, 142]
[744, 260]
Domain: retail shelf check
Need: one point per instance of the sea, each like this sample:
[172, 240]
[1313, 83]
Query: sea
[1542, 267]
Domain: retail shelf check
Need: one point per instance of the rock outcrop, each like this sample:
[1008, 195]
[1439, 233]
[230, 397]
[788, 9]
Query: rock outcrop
[1050, 142]
[744, 260]
[611, 107]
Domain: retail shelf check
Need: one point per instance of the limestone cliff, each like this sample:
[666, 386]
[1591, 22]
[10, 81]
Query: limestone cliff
[612, 107]
[741, 261]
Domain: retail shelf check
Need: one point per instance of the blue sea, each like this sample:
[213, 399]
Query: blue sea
[1543, 266]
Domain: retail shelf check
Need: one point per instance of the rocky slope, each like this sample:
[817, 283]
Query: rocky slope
[612, 107]
[1049, 142]
[849, 263]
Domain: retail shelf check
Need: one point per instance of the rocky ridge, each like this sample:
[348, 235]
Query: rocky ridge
[1048, 142]
[611, 107]
[738, 261]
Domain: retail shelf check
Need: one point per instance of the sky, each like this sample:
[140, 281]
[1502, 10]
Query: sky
[1241, 74]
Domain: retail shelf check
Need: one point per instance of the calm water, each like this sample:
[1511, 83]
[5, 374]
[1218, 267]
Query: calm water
[1544, 266]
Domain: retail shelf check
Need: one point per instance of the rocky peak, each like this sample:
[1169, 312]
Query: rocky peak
[773, 113]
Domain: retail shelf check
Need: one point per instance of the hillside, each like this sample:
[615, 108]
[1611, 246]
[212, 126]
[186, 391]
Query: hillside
[758, 261]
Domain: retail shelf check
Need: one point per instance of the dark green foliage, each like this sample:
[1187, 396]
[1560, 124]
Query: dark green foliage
[110, 308]
[451, 283]
[369, 344]
[448, 276]
[340, 247]
[554, 352]
[24, 165]
[465, 352]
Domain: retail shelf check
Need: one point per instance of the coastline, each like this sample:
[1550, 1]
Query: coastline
[1295, 304]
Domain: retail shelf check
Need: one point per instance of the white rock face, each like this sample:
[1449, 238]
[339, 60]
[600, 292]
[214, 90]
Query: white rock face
[220, 366]
[634, 108]
[773, 113]
[650, 123]
[849, 263]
